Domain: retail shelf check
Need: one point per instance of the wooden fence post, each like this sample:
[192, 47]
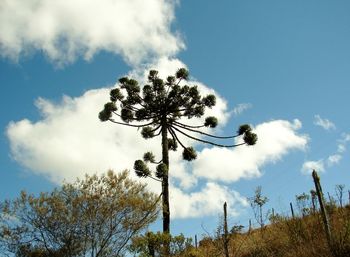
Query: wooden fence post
[226, 237]
[325, 218]
[250, 226]
[292, 210]
[195, 241]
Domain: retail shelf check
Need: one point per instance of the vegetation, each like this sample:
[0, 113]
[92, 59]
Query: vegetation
[159, 109]
[96, 217]
[287, 237]
[257, 202]
[301, 236]
[156, 245]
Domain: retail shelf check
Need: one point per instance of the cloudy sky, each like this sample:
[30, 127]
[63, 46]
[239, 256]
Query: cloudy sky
[281, 66]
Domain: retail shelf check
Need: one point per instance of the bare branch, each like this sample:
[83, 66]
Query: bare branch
[205, 141]
[188, 126]
[131, 125]
[202, 133]
[173, 134]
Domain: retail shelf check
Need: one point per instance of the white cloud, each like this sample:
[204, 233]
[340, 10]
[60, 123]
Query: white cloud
[345, 138]
[320, 165]
[309, 166]
[208, 201]
[237, 110]
[64, 30]
[324, 123]
[333, 159]
[341, 148]
[275, 139]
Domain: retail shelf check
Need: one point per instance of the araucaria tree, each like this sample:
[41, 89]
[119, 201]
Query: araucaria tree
[159, 108]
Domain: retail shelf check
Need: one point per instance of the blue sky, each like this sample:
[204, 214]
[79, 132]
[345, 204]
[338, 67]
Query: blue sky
[285, 62]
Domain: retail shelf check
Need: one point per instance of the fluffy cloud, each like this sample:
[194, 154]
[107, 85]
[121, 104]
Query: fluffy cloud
[205, 202]
[63, 30]
[324, 123]
[333, 159]
[275, 139]
[237, 110]
[330, 161]
[345, 138]
[309, 166]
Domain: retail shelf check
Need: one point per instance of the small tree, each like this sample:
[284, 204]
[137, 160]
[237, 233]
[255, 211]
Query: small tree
[159, 109]
[339, 190]
[257, 202]
[93, 217]
[303, 203]
[155, 245]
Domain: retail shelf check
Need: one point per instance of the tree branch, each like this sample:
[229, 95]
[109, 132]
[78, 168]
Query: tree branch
[173, 134]
[202, 133]
[131, 125]
[205, 141]
[189, 126]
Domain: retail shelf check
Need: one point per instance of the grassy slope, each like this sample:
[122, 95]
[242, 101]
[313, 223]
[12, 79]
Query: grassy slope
[287, 237]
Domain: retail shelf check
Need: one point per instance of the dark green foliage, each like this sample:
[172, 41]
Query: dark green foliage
[155, 244]
[147, 132]
[162, 169]
[211, 122]
[141, 169]
[243, 129]
[182, 74]
[110, 107]
[172, 144]
[127, 115]
[149, 157]
[250, 138]
[189, 154]
[141, 114]
[116, 95]
[209, 101]
[104, 115]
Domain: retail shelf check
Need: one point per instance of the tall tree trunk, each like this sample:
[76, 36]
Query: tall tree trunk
[165, 180]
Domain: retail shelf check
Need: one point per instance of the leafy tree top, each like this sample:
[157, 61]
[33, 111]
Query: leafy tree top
[161, 105]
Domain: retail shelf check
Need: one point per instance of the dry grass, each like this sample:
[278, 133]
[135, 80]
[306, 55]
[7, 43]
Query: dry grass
[286, 237]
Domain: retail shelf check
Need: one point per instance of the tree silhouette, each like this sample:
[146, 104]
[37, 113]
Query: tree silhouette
[158, 109]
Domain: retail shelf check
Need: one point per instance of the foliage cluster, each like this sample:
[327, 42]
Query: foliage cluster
[94, 217]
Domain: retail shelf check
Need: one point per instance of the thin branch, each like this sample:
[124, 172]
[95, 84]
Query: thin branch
[131, 125]
[205, 141]
[146, 118]
[153, 130]
[160, 131]
[202, 133]
[140, 224]
[129, 107]
[156, 179]
[175, 136]
[179, 81]
[159, 162]
[189, 126]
